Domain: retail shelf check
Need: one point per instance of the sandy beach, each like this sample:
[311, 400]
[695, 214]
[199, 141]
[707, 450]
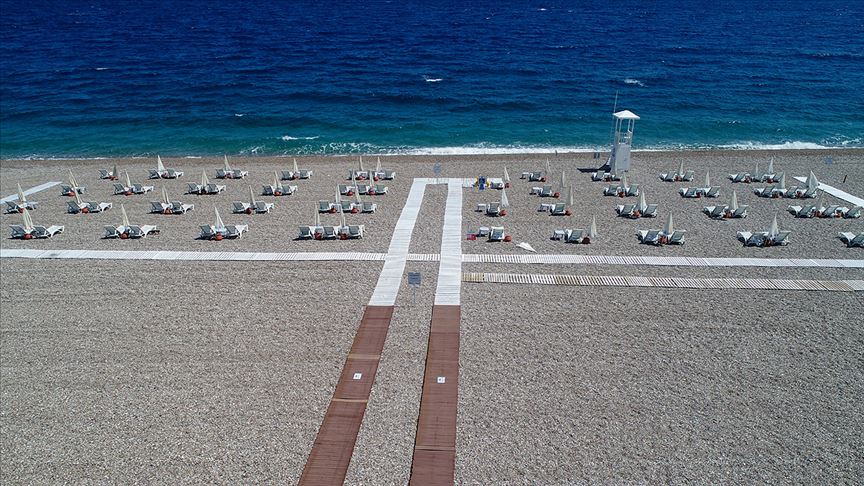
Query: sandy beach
[202, 372]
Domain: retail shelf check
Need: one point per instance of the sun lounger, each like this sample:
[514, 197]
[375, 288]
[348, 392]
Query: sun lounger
[496, 233]
[97, 207]
[288, 175]
[741, 212]
[536, 176]
[231, 174]
[387, 175]
[40, 231]
[559, 209]
[325, 206]
[178, 207]
[67, 190]
[668, 176]
[369, 207]
[852, 240]
[208, 232]
[241, 207]
[353, 231]
[305, 233]
[194, 188]
[650, 211]
[73, 207]
[689, 192]
[106, 174]
[741, 177]
[136, 231]
[712, 191]
[112, 231]
[688, 176]
[346, 205]
[213, 189]
[625, 210]
[715, 212]
[611, 190]
[328, 232]
[345, 189]
[832, 211]
[493, 209]
[853, 213]
[262, 207]
[651, 237]
[378, 190]
[574, 236]
[18, 231]
[166, 174]
[236, 231]
[676, 238]
[803, 212]
[158, 207]
[141, 189]
[121, 189]
[631, 191]
[17, 207]
[304, 174]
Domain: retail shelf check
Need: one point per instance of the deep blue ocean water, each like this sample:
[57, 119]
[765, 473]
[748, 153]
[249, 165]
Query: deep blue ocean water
[105, 78]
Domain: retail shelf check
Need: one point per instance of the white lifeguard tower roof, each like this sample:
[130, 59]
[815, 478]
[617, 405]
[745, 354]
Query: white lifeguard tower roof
[626, 115]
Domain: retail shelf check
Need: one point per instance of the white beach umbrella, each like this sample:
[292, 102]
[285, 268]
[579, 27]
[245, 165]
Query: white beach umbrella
[755, 174]
[548, 170]
[669, 228]
[338, 196]
[204, 180]
[771, 166]
[642, 205]
[734, 204]
[275, 180]
[218, 224]
[707, 178]
[361, 163]
[22, 199]
[783, 181]
[72, 181]
[378, 165]
[128, 181]
[78, 199]
[812, 182]
[159, 166]
[295, 166]
[357, 196]
[317, 218]
[165, 196]
[570, 199]
[774, 230]
[227, 167]
[28, 221]
[251, 196]
[505, 203]
[592, 232]
[342, 217]
[681, 169]
[563, 179]
[506, 175]
[114, 172]
[125, 217]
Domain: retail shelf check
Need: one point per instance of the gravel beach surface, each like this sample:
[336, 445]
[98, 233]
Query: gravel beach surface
[203, 372]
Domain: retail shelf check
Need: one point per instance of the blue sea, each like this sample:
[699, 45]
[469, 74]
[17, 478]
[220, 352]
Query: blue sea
[107, 78]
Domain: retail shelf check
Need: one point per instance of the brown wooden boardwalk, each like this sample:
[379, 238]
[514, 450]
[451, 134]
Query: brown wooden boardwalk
[331, 454]
[435, 443]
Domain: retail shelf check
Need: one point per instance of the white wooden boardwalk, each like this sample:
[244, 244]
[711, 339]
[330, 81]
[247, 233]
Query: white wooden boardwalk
[32, 190]
[836, 192]
[667, 282]
[449, 287]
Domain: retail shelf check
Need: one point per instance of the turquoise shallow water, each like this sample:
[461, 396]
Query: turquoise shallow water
[90, 79]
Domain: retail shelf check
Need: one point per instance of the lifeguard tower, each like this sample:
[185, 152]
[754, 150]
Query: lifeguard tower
[619, 159]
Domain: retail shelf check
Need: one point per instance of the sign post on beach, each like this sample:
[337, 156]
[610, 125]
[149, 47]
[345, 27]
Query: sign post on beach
[414, 279]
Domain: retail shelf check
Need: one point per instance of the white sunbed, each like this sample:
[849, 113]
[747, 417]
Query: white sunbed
[558, 209]
[689, 192]
[241, 207]
[625, 210]
[305, 233]
[236, 230]
[262, 207]
[67, 190]
[851, 239]
[213, 189]
[378, 190]
[40, 231]
[853, 213]
[231, 174]
[16, 207]
[711, 191]
[496, 233]
[352, 232]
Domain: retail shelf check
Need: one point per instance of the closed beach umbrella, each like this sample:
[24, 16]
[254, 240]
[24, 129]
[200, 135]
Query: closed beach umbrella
[342, 217]
[669, 228]
[570, 196]
[771, 166]
[505, 203]
[506, 175]
[361, 163]
[338, 196]
[218, 224]
[296, 170]
[204, 180]
[21, 198]
[128, 181]
[125, 218]
[812, 183]
[275, 180]
[78, 199]
[114, 172]
[251, 196]
[548, 170]
[642, 205]
[159, 166]
[592, 232]
[783, 181]
[734, 204]
[165, 195]
[681, 169]
[72, 181]
[28, 221]
[774, 230]
[378, 165]
[227, 167]
[357, 196]
[563, 180]
[707, 178]
[317, 218]
[757, 174]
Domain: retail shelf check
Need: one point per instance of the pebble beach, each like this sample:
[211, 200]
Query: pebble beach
[166, 371]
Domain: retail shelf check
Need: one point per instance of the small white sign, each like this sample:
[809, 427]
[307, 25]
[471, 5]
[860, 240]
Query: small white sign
[441, 379]
[357, 376]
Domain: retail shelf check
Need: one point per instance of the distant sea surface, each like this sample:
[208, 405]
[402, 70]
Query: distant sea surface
[106, 78]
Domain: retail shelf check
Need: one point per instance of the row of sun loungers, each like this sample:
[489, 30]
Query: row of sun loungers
[328, 232]
[492, 234]
[851, 239]
[29, 231]
[821, 211]
[21, 204]
[768, 176]
[363, 189]
[678, 176]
